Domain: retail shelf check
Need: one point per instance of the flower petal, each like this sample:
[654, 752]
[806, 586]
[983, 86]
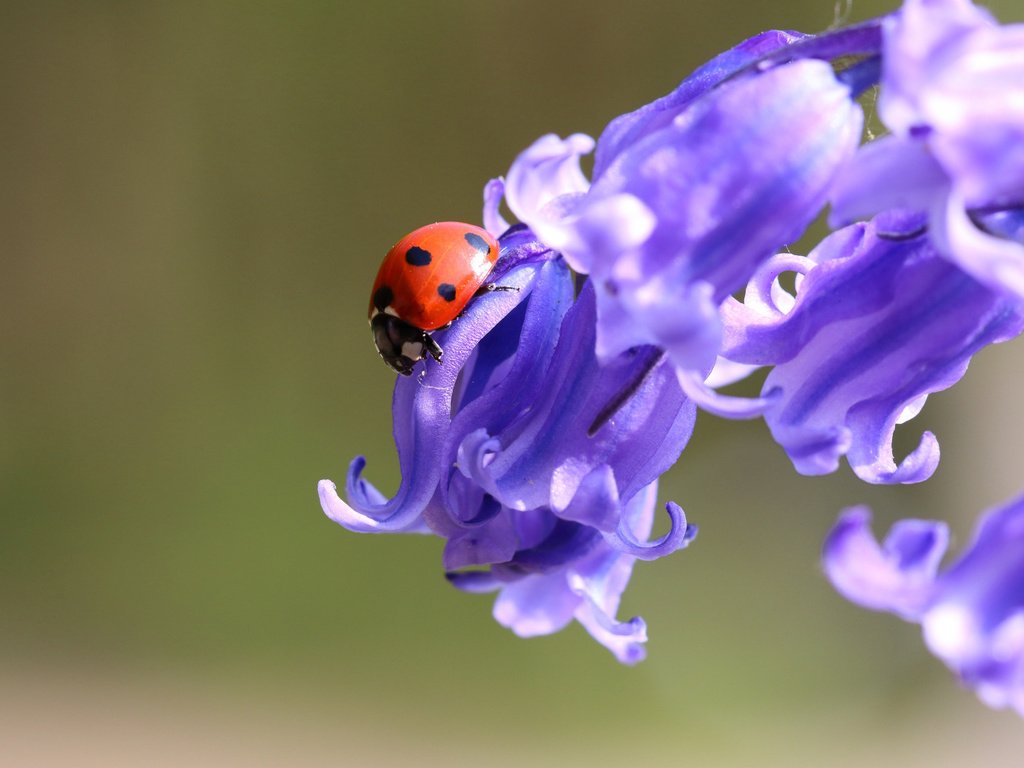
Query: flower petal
[536, 605]
[896, 577]
[594, 503]
[913, 179]
[544, 179]
[679, 535]
[624, 639]
[628, 414]
[626, 130]
[995, 261]
[492, 542]
[494, 193]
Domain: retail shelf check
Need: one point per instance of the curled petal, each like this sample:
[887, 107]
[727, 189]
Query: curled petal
[679, 535]
[544, 179]
[872, 460]
[764, 292]
[587, 586]
[476, 451]
[361, 491]
[813, 451]
[726, 406]
[422, 406]
[624, 639]
[494, 192]
[727, 372]
[602, 578]
[898, 576]
[343, 514]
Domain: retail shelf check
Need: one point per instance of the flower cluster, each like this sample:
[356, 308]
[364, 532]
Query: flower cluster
[535, 449]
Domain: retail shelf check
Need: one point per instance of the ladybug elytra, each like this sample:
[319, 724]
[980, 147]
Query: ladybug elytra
[424, 282]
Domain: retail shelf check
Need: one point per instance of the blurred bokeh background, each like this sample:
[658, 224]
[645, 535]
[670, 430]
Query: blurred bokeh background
[194, 198]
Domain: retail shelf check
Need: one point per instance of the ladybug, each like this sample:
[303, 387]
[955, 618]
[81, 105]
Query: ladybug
[425, 281]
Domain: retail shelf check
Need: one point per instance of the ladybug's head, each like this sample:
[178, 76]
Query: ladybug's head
[400, 344]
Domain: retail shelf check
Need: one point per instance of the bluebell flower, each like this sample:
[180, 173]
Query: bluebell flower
[537, 465]
[879, 322]
[691, 193]
[952, 95]
[972, 613]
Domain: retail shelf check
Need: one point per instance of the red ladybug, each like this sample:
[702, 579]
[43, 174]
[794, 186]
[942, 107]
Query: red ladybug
[425, 281]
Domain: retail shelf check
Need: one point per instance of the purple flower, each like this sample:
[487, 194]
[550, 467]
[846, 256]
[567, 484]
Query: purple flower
[972, 613]
[690, 194]
[879, 321]
[536, 464]
[952, 93]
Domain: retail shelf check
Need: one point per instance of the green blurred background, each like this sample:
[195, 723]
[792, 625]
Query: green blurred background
[195, 199]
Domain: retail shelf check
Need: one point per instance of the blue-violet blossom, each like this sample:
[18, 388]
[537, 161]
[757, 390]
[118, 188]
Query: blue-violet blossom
[952, 95]
[536, 464]
[972, 613]
[690, 194]
[879, 321]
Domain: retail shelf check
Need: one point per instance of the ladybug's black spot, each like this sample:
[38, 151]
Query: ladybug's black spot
[383, 297]
[417, 256]
[477, 242]
[446, 291]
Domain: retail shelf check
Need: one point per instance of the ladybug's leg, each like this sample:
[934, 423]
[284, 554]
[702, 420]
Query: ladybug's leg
[432, 347]
[491, 287]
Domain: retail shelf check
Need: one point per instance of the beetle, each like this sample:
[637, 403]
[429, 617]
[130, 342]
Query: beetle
[425, 281]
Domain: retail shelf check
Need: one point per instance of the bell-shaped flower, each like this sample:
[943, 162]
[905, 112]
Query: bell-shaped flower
[972, 613]
[690, 194]
[879, 322]
[952, 95]
[535, 464]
